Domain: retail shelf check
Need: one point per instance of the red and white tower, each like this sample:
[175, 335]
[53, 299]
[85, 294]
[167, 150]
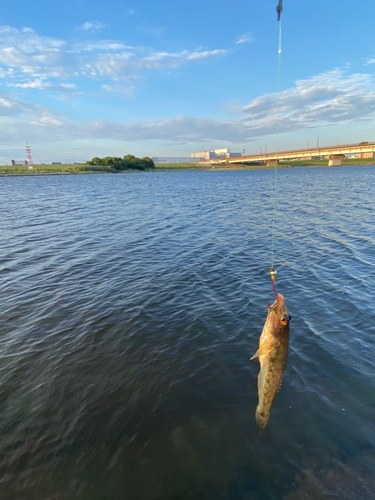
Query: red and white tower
[29, 157]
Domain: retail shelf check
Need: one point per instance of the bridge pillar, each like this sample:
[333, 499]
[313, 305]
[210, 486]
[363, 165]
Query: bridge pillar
[271, 163]
[335, 160]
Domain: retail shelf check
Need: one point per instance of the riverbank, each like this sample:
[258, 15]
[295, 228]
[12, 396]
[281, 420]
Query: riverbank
[67, 169]
[21, 170]
[172, 167]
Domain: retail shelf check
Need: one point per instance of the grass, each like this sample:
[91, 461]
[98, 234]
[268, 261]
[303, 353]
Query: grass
[324, 163]
[55, 169]
[41, 169]
[172, 167]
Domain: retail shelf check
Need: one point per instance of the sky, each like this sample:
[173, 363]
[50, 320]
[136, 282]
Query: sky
[86, 78]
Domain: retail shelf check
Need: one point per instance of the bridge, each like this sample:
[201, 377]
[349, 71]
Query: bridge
[334, 155]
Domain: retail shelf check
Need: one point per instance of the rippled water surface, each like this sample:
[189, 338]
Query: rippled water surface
[130, 306]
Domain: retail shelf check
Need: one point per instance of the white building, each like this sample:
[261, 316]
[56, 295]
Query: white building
[215, 153]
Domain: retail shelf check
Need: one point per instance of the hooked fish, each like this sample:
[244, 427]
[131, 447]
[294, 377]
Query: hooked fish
[273, 356]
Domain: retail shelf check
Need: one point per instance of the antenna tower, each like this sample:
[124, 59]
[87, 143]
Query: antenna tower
[28, 152]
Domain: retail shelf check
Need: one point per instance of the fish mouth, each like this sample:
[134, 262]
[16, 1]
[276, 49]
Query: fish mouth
[279, 308]
[280, 301]
[278, 304]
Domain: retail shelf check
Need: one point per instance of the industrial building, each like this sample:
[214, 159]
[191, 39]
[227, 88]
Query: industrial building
[215, 153]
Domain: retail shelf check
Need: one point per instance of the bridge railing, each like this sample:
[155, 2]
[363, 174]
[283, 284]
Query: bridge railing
[339, 146]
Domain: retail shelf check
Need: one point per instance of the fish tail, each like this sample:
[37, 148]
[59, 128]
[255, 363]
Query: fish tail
[261, 418]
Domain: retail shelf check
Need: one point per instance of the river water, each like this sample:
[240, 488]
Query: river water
[130, 306]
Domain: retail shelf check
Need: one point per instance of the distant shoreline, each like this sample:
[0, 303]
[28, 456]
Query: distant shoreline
[35, 174]
[69, 169]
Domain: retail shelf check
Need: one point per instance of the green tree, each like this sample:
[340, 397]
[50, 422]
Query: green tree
[148, 162]
[95, 161]
[127, 162]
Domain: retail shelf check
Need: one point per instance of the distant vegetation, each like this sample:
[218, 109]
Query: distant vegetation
[125, 163]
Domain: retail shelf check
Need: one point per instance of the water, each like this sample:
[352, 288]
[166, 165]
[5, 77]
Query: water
[130, 306]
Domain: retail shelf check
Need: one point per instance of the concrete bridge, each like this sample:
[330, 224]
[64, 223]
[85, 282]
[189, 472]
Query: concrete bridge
[334, 155]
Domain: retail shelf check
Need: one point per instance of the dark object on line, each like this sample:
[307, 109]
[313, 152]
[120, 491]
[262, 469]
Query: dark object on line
[279, 9]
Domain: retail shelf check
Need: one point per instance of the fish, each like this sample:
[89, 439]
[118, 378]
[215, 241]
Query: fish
[273, 357]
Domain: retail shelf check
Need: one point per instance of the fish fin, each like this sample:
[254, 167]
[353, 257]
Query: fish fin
[280, 384]
[263, 350]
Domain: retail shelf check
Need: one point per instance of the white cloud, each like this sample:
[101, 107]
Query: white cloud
[16, 108]
[127, 64]
[28, 60]
[103, 45]
[68, 86]
[300, 108]
[206, 53]
[325, 99]
[38, 83]
[245, 38]
[41, 84]
[47, 120]
[182, 129]
[24, 53]
[126, 90]
[93, 26]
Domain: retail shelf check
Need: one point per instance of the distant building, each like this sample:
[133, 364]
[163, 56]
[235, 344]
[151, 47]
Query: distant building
[14, 162]
[215, 153]
[56, 163]
[225, 153]
[204, 155]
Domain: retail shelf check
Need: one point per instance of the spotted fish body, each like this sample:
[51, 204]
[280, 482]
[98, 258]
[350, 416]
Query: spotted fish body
[273, 356]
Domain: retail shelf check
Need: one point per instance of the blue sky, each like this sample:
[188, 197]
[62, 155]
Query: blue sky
[83, 78]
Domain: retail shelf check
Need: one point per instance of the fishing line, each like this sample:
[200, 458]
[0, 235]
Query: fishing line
[273, 272]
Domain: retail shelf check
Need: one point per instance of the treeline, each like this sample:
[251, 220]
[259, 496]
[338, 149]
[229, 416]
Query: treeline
[125, 163]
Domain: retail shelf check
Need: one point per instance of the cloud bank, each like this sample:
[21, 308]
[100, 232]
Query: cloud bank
[29, 60]
[326, 99]
[330, 98]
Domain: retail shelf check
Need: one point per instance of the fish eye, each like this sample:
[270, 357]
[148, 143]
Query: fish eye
[284, 319]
